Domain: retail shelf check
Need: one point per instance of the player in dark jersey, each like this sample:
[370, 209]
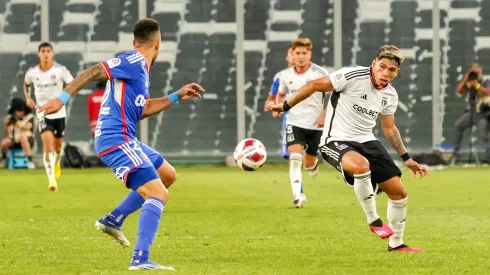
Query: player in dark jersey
[125, 102]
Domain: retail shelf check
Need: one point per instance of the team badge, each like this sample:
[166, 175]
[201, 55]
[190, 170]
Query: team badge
[53, 77]
[384, 101]
[338, 76]
[114, 62]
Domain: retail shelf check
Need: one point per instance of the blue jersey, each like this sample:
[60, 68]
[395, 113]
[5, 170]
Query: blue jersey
[275, 84]
[124, 99]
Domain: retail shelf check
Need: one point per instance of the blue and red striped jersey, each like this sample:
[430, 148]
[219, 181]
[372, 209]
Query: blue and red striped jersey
[124, 99]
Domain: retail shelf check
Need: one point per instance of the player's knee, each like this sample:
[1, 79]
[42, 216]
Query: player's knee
[159, 193]
[296, 160]
[357, 164]
[172, 177]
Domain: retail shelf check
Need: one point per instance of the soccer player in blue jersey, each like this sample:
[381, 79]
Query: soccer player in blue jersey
[271, 98]
[126, 100]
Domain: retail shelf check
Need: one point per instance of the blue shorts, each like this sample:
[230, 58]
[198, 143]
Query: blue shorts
[284, 145]
[134, 162]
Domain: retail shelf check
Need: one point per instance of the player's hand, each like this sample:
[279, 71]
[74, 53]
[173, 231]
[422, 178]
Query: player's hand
[51, 107]
[267, 104]
[30, 103]
[190, 91]
[276, 107]
[276, 114]
[416, 168]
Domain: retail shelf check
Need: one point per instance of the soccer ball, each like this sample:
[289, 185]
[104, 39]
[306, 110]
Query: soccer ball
[250, 154]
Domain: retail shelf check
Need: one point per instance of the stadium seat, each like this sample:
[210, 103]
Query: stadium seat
[16, 159]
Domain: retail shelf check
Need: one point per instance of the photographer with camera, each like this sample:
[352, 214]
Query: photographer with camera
[477, 94]
[17, 126]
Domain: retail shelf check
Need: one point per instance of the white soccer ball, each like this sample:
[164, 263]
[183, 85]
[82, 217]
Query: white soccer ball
[250, 154]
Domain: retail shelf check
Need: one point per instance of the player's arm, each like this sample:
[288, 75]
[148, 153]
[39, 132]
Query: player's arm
[27, 91]
[93, 73]
[323, 84]
[393, 136]
[271, 98]
[157, 105]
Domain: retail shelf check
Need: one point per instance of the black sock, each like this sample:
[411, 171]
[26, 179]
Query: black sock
[29, 158]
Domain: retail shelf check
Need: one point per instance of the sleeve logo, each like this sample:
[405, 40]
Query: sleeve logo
[113, 62]
[338, 76]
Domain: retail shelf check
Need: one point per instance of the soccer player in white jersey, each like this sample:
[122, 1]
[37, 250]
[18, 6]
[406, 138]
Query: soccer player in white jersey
[361, 95]
[48, 79]
[304, 123]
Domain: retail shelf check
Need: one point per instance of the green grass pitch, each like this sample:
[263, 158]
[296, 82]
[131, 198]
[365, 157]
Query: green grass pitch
[226, 221]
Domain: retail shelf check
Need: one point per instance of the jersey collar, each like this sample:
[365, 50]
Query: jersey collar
[39, 66]
[294, 68]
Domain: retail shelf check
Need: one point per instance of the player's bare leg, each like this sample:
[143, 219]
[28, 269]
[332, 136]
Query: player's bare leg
[397, 212]
[111, 223]
[295, 175]
[167, 174]
[311, 164]
[357, 166]
[58, 145]
[47, 138]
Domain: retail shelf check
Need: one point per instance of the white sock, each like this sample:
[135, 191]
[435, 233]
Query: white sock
[295, 177]
[397, 212]
[48, 160]
[57, 157]
[365, 195]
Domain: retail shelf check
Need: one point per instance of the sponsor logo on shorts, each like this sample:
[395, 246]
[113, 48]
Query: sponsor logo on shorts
[121, 172]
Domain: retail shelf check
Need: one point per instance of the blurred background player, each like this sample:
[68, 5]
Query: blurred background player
[48, 79]
[271, 98]
[140, 167]
[18, 128]
[359, 96]
[304, 123]
[94, 103]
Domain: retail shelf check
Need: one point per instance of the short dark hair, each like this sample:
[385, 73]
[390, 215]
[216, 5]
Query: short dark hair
[144, 29]
[44, 45]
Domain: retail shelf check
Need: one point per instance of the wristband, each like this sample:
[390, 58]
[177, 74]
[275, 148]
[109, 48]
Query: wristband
[174, 98]
[286, 106]
[64, 97]
[405, 157]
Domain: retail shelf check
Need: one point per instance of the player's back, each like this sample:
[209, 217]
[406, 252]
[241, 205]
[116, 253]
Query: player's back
[123, 102]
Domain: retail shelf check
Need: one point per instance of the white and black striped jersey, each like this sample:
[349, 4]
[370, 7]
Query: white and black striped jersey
[355, 105]
[48, 84]
[306, 113]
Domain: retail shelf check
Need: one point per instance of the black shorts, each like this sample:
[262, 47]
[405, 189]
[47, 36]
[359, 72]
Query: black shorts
[56, 125]
[382, 166]
[18, 146]
[310, 139]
